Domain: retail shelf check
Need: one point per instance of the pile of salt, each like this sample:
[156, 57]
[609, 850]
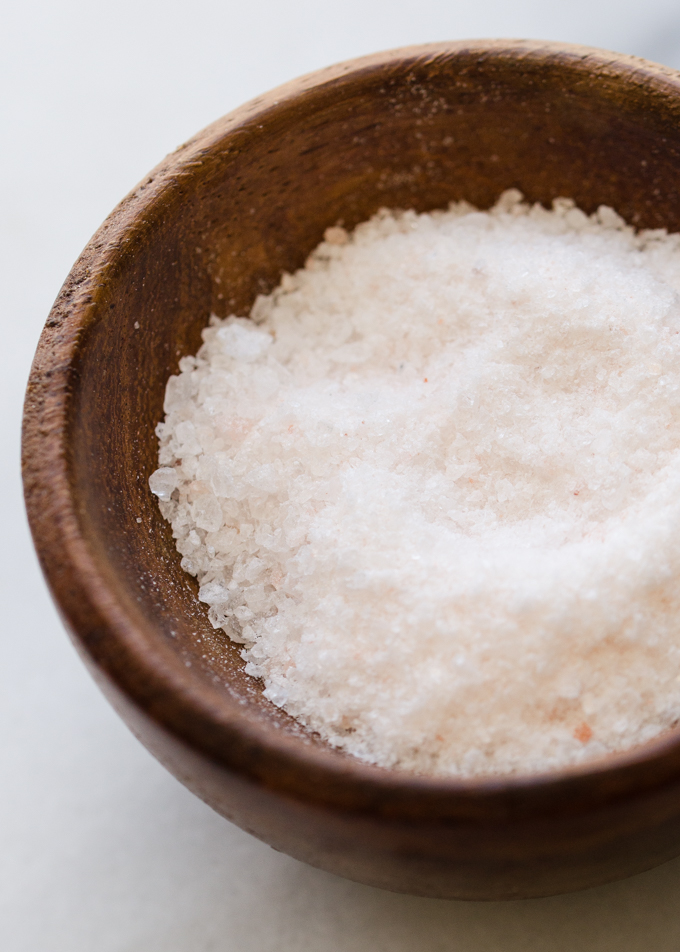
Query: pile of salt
[433, 487]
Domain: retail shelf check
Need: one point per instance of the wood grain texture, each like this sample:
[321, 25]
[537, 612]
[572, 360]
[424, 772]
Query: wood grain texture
[214, 225]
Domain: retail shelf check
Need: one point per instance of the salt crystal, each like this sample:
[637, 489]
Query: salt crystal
[163, 482]
[433, 487]
[207, 513]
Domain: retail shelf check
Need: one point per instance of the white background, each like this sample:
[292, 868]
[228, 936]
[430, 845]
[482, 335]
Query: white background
[100, 849]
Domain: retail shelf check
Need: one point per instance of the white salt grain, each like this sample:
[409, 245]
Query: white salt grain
[433, 487]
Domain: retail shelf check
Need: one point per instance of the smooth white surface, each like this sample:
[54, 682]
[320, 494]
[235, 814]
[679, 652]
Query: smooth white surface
[100, 849]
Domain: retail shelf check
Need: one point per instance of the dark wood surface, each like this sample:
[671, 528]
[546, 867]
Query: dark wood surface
[216, 223]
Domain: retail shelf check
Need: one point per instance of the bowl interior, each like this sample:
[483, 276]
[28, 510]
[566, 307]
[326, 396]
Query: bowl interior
[250, 197]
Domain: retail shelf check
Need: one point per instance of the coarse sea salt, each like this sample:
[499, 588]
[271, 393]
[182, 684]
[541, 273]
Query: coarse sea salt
[432, 486]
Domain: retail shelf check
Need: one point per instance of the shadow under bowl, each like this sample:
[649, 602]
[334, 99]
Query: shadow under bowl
[214, 225]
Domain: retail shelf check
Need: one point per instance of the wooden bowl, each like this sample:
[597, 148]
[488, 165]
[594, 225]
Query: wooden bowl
[215, 224]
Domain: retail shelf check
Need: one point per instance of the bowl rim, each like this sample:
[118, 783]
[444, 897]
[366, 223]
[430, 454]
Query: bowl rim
[150, 674]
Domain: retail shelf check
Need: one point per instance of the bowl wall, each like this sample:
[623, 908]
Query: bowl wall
[216, 224]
